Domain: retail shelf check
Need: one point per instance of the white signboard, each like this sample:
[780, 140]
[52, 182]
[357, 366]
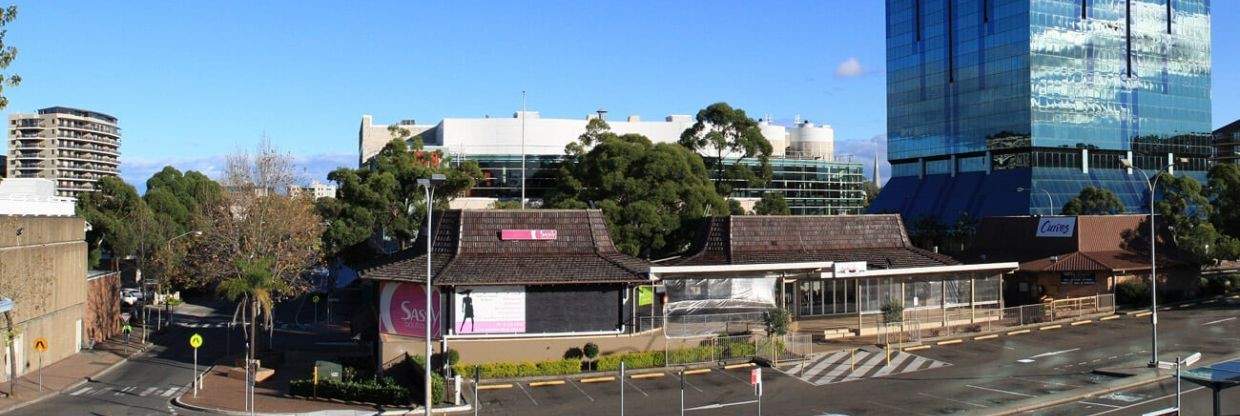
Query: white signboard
[1056, 227]
[489, 310]
[846, 269]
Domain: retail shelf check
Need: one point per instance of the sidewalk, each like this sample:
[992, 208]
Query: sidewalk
[66, 373]
[221, 394]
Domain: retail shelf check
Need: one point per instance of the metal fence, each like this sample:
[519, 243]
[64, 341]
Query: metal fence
[961, 321]
[715, 349]
[690, 326]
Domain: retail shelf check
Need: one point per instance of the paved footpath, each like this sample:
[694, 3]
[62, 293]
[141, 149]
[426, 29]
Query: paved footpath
[66, 374]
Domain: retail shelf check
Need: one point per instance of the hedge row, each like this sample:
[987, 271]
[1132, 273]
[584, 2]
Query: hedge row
[379, 392]
[525, 369]
[417, 364]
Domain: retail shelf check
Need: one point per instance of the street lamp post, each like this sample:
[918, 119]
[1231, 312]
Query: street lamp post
[429, 184]
[1049, 198]
[142, 285]
[1152, 184]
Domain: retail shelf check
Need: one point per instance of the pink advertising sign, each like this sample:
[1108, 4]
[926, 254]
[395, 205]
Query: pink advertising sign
[527, 234]
[402, 310]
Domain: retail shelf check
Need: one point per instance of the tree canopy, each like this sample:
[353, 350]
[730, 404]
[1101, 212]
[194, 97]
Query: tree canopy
[179, 198]
[1187, 209]
[384, 199]
[772, 203]
[7, 54]
[1094, 201]
[728, 132]
[648, 192]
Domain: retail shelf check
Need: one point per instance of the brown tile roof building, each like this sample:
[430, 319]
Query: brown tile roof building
[1114, 243]
[467, 250]
[879, 240]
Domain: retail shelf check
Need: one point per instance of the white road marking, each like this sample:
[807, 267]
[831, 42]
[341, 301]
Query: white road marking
[570, 381]
[1218, 321]
[894, 364]
[169, 392]
[1147, 401]
[123, 391]
[639, 389]
[1047, 382]
[719, 405]
[1052, 353]
[83, 390]
[148, 391]
[1098, 404]
[1000, 391]
[527, 394]
[952, 400]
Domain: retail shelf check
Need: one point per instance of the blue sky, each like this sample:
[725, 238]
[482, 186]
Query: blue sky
[193, 81]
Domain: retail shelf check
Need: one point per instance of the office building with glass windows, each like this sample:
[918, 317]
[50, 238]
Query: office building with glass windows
[1011, 107]
[1227, 143]
[804, 167]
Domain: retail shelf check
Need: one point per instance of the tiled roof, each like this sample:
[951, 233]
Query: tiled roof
[1098, 243]
[1111, 261]
[468, 251]
[879, 240]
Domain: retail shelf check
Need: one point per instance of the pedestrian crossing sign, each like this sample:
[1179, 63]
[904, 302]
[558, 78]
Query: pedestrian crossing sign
[195, 341]
[40, 344]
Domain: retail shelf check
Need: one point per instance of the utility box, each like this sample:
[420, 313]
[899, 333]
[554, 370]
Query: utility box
[328, 370]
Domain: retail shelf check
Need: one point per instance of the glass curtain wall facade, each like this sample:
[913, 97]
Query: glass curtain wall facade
[811, 187]
[1011, 107]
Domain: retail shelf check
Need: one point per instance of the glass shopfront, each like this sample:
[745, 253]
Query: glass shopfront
[826, 297]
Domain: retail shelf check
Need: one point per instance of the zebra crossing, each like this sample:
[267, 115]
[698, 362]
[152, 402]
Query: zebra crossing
[217, 324]
[845, 366]
[126, 390]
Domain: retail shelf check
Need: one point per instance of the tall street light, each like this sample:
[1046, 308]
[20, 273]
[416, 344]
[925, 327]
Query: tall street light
[429, 184]
[1152, 184]
[1048, 197]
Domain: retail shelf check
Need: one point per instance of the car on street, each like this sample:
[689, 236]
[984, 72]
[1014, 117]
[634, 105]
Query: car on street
[130, 296]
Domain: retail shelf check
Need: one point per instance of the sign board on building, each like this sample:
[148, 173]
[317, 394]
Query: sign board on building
[489, 310]
[847, 269]
[402, 310]
[1059, 227]
[527, 234]
[1077, 279]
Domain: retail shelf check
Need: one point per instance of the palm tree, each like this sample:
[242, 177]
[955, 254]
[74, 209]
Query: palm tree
[254, 289]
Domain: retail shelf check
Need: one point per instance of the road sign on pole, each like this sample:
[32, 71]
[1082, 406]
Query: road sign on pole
[40, 345]
[195, 341]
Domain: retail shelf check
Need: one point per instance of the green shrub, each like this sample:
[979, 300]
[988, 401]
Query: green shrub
[692, 355]
[893, 312]
[777, 321]
[736, 349]
[525, 369]
[573, 353]
[1133, 293]
[590, 350]
[380, 392]
[417, 365]
[632, 360]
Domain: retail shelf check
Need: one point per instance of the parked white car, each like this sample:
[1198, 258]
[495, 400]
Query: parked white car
[130, 296]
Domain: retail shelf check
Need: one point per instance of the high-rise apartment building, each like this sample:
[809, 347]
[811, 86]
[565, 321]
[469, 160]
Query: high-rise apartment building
[1009, 107]
[72, 147]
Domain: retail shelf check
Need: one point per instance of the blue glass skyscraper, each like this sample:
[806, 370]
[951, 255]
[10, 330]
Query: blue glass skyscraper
[1011, 107]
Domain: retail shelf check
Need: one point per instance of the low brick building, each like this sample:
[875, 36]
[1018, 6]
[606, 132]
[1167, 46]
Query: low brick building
[541, 276]
[1074, 256]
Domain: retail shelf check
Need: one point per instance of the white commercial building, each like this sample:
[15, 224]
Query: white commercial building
[548, 136]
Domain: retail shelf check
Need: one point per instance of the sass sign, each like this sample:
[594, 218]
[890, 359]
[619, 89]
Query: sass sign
[1056, 226]
[402, 309]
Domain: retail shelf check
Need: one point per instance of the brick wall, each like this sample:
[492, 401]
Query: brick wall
[103, 306]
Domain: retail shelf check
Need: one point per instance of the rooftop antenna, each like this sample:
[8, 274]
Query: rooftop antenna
[523, 149]
[602, 114]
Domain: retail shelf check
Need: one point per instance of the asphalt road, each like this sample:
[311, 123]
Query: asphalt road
[146, 384]
[984, 376]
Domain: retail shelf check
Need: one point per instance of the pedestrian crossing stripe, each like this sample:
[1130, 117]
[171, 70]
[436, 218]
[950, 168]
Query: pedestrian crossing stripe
[838, 367]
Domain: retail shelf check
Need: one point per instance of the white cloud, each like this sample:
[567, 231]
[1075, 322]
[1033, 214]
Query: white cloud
[136, 170]
[851, 67]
